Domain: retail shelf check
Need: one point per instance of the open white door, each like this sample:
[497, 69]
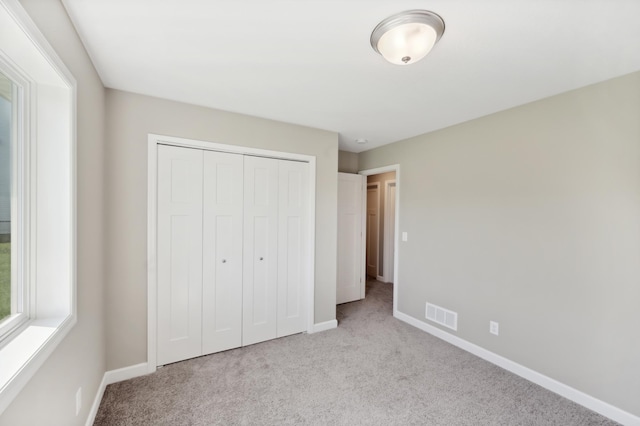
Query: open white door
[350, 282]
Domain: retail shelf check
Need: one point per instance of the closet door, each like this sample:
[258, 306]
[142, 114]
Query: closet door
[292, 247]
[222, 252]
[260, 272]
[179, 254]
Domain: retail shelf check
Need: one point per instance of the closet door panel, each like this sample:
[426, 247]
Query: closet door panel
[260, 271]
[292, 247]
[179, 254]
[222, 252]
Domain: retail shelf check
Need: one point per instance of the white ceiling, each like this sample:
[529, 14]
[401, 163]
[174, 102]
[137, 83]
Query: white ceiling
[309, 62]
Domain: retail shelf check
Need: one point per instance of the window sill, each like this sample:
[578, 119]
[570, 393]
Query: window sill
[21, 357]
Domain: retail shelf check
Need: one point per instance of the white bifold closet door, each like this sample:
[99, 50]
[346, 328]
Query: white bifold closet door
[260, 273]
[179, 254]
[275, 253]
[232, 249]
[294, 259]
[222, 252]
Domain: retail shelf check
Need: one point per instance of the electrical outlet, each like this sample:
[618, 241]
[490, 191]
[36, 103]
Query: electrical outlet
[405, 237]
[494, 327]
[78, 400]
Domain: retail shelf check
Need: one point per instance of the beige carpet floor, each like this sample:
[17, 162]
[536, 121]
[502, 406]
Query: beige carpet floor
[372, 370]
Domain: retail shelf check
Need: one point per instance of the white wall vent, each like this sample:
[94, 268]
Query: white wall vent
[442, 316]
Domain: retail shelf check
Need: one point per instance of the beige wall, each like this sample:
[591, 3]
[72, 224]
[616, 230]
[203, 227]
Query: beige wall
[130, 119]
[531, 217]
[79, 361]
[347, 162]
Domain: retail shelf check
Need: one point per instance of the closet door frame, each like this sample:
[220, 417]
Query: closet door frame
[152, 186]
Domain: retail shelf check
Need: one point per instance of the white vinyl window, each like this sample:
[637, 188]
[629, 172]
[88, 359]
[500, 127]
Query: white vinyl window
[37, 200]
[14, 310]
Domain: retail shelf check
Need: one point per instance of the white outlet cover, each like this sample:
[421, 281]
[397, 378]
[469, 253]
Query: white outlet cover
[494, 328]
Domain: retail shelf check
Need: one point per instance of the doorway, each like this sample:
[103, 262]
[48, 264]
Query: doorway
[353, 208]
[380, 235]
[373, 229]
[381, 247]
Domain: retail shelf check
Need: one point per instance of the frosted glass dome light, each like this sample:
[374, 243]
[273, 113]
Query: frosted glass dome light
[407, 37]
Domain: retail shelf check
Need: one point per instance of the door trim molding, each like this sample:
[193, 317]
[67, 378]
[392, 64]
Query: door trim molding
[396, 248]
[152, 186]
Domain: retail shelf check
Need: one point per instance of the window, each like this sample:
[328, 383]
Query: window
[6, 123]
[37, 200]
[12, 293]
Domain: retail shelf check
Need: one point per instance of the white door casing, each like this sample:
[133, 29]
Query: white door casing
[179, 253]
[350, 279]
[222, 252]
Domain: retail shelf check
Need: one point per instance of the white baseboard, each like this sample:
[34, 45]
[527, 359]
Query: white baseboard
[96, 401]
[324, 326]
[126, 373]
[114, 376]
[579, 397]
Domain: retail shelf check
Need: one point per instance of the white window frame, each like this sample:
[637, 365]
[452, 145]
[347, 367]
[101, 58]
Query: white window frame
[20, 287]
[46, 260]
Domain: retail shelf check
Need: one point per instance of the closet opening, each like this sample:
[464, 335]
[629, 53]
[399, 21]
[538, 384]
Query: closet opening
[231, 244]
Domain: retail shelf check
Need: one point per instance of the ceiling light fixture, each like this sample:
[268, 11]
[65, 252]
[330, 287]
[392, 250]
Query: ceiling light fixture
[361, 141]
[407, 37]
